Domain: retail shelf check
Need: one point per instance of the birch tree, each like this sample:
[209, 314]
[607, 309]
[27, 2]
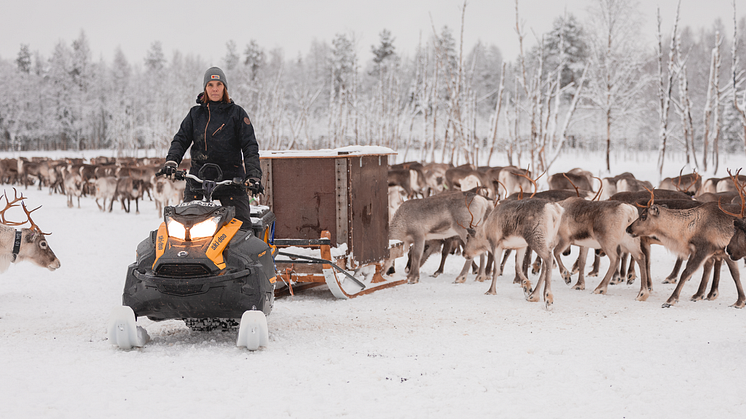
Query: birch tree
[617, 79]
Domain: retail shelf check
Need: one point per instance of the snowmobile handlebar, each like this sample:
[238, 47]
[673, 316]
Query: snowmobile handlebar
[208, 185]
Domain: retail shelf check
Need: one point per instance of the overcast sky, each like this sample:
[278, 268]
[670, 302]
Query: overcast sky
[203, 27]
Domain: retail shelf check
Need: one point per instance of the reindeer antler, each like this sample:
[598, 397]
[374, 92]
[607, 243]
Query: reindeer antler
[532, 181]
[9, 205]
[472, 226]
[577, 191]
[695, 177]
[739, 189]
[652, 198]
[33, 227]
[600, 188]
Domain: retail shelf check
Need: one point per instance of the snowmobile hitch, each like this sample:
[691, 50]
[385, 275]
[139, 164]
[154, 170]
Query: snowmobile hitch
[313, 260]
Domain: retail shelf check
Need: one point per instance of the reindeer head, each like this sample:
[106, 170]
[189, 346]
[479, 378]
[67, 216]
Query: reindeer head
[29, 243]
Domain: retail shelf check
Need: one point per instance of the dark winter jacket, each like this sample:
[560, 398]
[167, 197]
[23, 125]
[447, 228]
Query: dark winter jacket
[219, 133]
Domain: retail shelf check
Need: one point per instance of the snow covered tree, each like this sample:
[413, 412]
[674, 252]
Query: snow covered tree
[24, 59]
[231, 58]
[616, 78]
[343, 62]
[254, 58]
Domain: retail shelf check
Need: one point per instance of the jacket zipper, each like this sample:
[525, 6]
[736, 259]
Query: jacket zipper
[216, 131]
[209, 115]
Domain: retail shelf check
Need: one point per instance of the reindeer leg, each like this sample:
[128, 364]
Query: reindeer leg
[596, 264]
[502, 264]
[482, 274]
[695, 261]
[631, 274]
[414, 269]
[643, 259]
[536, 266]
[613, 255]
[673, 277]
[700, 294]
[621, 271]
[445, 250]
[561, 247]
[736, 275]
[546, 273]
[496, 250]
[716, 279]
[528, 290]
[582, 256]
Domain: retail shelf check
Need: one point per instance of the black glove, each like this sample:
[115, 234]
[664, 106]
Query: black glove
[168, 169]
[254, 185]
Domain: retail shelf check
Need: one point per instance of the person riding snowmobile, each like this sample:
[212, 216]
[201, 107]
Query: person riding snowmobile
[220, 132]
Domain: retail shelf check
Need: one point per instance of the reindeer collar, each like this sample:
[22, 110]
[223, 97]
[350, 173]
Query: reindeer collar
[17, 244]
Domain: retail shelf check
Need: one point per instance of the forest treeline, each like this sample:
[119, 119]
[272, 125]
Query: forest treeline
[591, 84]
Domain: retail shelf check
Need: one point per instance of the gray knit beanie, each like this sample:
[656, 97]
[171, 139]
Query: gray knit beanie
[214, 73]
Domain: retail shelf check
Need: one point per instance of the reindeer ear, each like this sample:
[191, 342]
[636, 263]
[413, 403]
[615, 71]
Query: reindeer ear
[654, 211]
[471, 232]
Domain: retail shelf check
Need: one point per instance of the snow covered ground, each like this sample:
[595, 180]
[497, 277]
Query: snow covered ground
[435, 349]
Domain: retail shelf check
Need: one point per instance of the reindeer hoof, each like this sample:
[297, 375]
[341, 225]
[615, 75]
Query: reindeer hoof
[490, 292]
[435, 274]
[713, 296]
[578, 286]
[670, 281]
[642, 296]
[414, 280]
[566, 277]
[669, 304]
[533, 298]
[739, 304]
[599, 291]
[695, 298]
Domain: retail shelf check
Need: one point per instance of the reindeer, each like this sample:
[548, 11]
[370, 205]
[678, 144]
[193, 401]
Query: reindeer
[24, 244]
[436, 217]
[599, 225]
[518, 225]
[73, 184]
[701, 233]
[690, 183]
[576, 178]
[106, 188]
[129, 189]
[625, 182]
[514, 179]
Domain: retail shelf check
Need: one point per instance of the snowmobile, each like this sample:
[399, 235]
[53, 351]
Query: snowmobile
[204, 267]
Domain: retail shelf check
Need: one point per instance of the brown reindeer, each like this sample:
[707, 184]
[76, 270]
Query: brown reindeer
[25, 244]
[689, 183]
[129, 189]
[436, 217]
[106, 189]
[519, 225]
[576, 178]
[599, 225]
[700, 234]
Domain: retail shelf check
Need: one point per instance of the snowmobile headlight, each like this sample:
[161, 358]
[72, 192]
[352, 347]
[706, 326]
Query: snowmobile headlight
[204, 229]
[176, 229]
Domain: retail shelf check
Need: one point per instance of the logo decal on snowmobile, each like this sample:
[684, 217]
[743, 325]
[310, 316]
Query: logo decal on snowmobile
[218, 240]
[222, 238]
[160, 242]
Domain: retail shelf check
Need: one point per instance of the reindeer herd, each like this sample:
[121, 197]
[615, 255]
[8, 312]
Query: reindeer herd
[107, 180]
[489, 212]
